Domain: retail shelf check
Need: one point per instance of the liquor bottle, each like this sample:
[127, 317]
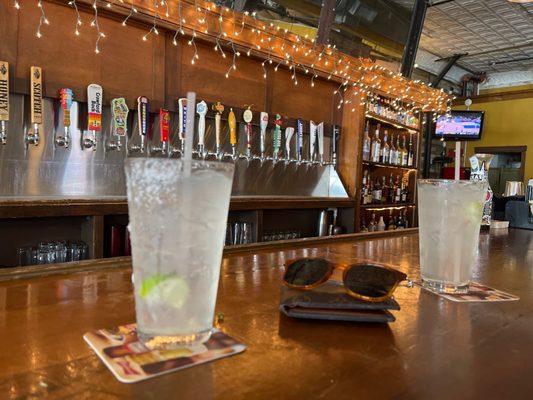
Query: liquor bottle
[372, 223]
[385, 190]
[377, 192]
[403, 152]
[398, 192]
[410, 155]
[405, 221]
[381, 224]
[375, 149]
[405, 192]
[363, 187]
[363, 225]
[392, 191]
[393, 151]
[385, 149]
[392, 224]
[366, 142]
[369, 191]
[400, 222]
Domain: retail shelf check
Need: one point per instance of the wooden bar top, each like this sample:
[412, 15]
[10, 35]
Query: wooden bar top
[436, 349]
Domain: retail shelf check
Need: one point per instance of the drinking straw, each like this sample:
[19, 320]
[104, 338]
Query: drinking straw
[189, 130]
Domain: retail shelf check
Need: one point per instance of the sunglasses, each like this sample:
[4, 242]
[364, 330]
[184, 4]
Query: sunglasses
[364, 281]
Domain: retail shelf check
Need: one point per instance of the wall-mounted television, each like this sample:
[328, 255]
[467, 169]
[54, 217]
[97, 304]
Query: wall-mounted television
[460, 125]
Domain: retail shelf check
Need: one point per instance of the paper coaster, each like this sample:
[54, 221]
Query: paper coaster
[131, 361]
[477, 293]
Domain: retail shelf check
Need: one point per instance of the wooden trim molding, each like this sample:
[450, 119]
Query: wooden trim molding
[500, 149]
[500, 96]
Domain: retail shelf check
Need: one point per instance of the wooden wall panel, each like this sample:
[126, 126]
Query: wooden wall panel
[132, 67]
[350, 145]
[126, 66]
[245, 85]
[9, 21]
[302, 100]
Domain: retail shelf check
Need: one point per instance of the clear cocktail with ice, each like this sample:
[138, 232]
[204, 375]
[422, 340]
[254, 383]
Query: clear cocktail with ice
[449, 215]
[178, 211]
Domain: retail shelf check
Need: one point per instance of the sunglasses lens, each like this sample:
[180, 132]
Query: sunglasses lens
[306, 271]
[371, 280]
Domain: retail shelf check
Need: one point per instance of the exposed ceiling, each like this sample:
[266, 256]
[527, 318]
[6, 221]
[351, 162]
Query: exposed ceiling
[497, 35]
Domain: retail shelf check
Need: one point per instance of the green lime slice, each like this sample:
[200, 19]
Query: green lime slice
[167, 290]
[149, 283]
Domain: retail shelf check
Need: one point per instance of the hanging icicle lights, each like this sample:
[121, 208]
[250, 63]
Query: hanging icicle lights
[275, 45]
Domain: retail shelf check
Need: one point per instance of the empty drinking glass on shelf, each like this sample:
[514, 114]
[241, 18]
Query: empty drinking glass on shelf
[52, 252]
[239, 233]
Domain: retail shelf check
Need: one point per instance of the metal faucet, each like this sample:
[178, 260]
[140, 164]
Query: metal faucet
[63, 141]
[89, 143]
[32, 137]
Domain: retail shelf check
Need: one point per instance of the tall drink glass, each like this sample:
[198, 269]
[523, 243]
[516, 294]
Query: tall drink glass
[178, 211]
[449, 221]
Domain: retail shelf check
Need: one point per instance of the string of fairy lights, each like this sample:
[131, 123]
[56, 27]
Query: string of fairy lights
[360, 80]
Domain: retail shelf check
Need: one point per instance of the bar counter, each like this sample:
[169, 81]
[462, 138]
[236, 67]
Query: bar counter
[435, 349]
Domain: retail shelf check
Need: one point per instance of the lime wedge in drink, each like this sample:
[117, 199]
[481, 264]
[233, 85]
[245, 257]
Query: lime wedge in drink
[475, 211]
[169, 290]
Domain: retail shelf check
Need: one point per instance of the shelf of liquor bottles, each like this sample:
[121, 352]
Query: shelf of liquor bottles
[389, 167]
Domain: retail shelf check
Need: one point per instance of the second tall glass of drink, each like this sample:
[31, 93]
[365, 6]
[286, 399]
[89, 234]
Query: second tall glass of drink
[449, 214]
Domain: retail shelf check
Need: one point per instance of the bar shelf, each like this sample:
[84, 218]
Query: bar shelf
[390, 122]
[386, 205]
[381, 165]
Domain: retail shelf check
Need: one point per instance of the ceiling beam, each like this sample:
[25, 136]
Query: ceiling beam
[415, 31]
[327, 14]
[450, 61]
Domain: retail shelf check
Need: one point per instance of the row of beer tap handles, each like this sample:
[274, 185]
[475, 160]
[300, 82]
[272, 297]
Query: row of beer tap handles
[316, 133]
[119, 126]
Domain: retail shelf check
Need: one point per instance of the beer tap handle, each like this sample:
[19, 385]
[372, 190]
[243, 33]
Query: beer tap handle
[164, 128]
[119, 121]
[277, 135]
[335, 143]
[219, 109]
[201, 110]
[4, 100]
[143, 114]
[263, 124]
[299, 139]
[66, 97]
[289, 131]
[182, 123]
[232, 122]
[247, 116]
[320, 130]
[36, 100]
[94, 124]
[312, 140]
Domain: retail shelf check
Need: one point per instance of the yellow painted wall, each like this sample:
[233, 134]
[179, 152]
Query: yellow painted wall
[507, 123]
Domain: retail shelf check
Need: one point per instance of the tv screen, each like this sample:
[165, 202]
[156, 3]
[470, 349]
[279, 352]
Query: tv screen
[460, 125]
